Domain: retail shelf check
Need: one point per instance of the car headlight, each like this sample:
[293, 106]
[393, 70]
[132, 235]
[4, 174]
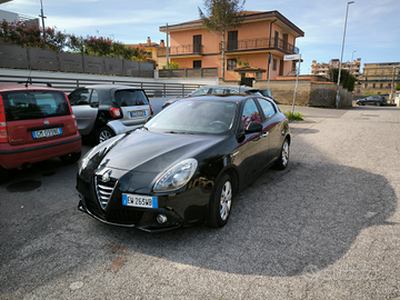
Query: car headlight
[176, 177]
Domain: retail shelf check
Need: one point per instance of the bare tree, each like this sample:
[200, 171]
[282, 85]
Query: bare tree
[221, 16]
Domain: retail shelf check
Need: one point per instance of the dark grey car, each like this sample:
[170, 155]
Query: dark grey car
[373, 100]
[103, 111]
[219, 90]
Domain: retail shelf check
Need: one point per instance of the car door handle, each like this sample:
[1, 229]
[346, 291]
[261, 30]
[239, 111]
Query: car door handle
[265, 134]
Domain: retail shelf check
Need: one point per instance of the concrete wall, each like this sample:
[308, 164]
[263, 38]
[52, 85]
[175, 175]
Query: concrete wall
[311, 91]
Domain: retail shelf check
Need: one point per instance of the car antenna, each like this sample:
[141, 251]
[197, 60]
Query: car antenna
[29, 77]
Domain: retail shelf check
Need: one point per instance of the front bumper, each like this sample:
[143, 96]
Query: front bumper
[184, 208]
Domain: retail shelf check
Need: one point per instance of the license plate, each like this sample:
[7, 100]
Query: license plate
[139, 201]
[139, 113]
[45, 133]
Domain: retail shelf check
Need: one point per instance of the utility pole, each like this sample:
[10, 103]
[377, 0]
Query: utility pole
[43, 17]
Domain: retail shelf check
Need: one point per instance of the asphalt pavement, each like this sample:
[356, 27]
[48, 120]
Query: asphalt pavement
[327, 227]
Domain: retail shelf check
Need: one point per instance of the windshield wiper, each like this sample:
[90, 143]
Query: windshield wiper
[179, 132]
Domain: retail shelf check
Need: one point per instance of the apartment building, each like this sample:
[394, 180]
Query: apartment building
[252, 49]
[380, 78]
[322, 69]
[153, 50]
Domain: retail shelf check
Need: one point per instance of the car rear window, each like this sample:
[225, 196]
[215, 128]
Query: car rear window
[131, 98]
[26, 105]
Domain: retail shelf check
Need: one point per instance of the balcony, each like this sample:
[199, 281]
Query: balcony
[184, 51]
[260, 45]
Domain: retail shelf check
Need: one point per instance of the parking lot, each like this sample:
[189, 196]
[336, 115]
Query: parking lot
[325, 228]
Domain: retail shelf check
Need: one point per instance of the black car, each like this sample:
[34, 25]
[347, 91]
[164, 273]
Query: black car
[185, 165]
[218, 90]
[103, 111]
[373, 100]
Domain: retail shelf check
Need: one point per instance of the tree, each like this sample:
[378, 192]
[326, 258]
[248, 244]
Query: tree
[398, 87]
[346, 79]
[221, 16]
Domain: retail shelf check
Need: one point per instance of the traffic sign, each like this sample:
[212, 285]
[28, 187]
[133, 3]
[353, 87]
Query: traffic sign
[292, 57]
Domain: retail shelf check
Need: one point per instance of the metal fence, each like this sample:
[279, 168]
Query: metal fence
[16, 57]
[189, 73]
[68, 84]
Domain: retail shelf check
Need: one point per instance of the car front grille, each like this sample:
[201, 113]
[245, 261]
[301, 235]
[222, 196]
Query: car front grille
[104, 190]
[124, 216]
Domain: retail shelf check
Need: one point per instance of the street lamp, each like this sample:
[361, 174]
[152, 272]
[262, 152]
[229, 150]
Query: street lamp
[341, 55]
[351, 62]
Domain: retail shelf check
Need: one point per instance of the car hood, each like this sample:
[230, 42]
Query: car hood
[146, 151]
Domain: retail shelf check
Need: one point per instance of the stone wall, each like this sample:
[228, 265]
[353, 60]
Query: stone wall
[311, 91]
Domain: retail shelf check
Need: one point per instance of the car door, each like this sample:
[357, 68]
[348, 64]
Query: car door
[85, 103]
[252, 152]
[271, 128]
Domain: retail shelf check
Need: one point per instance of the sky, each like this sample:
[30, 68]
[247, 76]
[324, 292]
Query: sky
[372, 32]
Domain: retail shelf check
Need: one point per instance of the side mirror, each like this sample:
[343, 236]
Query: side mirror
[254, 127]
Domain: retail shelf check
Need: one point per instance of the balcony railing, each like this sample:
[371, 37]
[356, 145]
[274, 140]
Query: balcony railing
[182, 50]
[260, 44]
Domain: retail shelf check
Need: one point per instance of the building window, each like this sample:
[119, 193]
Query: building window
[259, 76]
[196, 64]
[366, 85]
[231, 64]
[373, 85]
[274, 64]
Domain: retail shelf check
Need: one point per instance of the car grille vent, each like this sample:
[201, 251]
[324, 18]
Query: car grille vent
[104, 190]
[125, 216]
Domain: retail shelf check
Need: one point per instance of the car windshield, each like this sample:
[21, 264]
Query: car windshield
[130, 98]
[195, 117]
[26, 105]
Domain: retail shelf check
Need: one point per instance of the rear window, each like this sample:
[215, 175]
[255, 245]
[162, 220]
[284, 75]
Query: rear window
[130, 98]
[26, 105]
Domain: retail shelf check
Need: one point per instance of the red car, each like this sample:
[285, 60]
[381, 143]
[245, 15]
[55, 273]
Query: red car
[36, 124]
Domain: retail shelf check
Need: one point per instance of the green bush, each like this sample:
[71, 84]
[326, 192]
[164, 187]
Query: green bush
[294, 116]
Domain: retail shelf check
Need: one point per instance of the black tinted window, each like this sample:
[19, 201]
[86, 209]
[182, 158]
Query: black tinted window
[130, 98]
[34, 105]
[80, 97]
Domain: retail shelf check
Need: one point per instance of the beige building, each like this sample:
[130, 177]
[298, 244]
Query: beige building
[153, 51]
[380, 78]
[322, 69]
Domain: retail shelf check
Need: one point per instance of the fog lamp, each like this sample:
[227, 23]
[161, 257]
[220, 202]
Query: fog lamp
[161, 218]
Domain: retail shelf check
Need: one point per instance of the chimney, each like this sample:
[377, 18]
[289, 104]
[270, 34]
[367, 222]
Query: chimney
[162, 44]
[148, 41]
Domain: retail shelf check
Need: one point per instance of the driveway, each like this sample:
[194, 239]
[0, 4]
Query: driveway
[325, 228]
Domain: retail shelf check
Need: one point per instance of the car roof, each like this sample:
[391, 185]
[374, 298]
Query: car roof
[218, 97]
[110, 86]
[229, 87]
[10, 87]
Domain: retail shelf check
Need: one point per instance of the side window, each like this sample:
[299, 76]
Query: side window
[250, 114]
[267, 108]
[80, 97]
[94, 100]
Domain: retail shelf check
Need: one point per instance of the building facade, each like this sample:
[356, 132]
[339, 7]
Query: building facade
[259, 44]
[322, 69]
[380, 79]
[153, 49]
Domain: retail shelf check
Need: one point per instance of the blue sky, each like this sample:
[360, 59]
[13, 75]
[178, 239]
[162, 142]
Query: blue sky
[372, 28]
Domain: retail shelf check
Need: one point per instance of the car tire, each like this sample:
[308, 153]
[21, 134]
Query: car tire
[377, 103]
[221, 202]
[283, 159]
[104, 134]
[71, 158]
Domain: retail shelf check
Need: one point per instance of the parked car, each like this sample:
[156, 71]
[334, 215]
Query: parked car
[36, 124]
[265, 93]
[185, 165]
[374, 100]
[218, 90]
[103, 111]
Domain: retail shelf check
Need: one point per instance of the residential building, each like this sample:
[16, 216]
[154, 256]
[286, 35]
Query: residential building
[12, 17]
[262, 35]
[153, 50]
[380, 78]
[322, 69]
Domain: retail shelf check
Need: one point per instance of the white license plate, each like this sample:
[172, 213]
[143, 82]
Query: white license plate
[139, 201]
[45, 133]
[139, 113]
